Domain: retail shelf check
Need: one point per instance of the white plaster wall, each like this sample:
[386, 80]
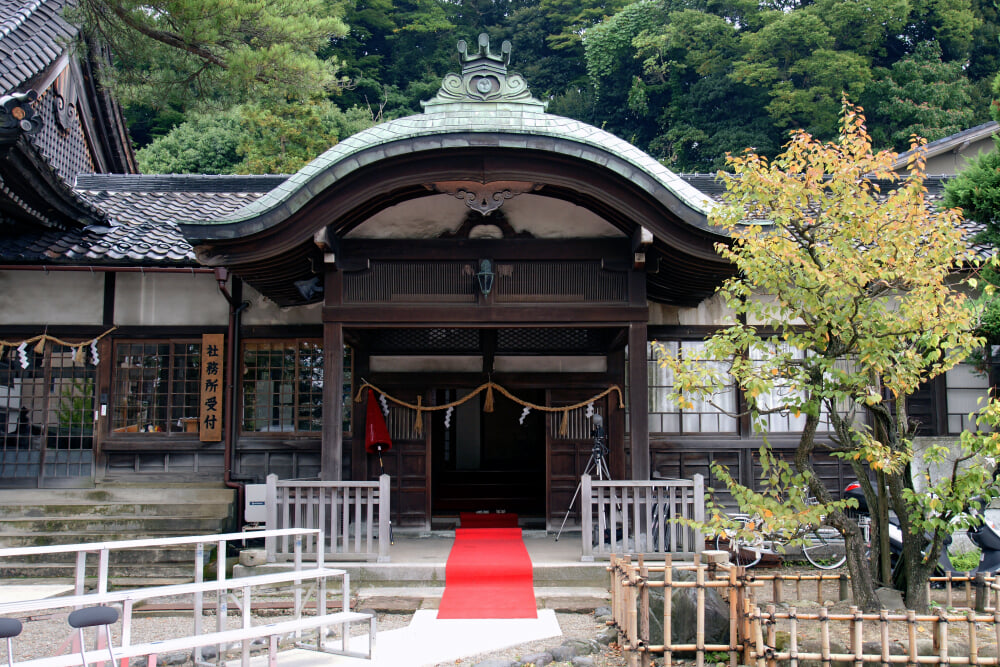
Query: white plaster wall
[53, 298]
[169, 299]
[263, 311]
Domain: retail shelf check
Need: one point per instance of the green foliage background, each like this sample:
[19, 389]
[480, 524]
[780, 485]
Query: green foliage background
[685, 80]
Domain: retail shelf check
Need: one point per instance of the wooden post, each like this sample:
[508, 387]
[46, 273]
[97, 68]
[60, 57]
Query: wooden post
[776, 589]
[270, 543]
[699, 511]
[586, 519]
[638, 404]
[844, 590]
[332, 452]
[384, 509]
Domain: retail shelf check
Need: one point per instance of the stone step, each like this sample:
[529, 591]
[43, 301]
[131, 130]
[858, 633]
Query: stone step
[65, 572]
[134, 527]
[155, 495]
[111, 510]
[388, 599]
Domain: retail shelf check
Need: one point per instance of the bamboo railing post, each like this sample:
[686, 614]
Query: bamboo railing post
[844, 592]
[759, 637]
[776, 592]
[973, 643]
[857, 637]
[771, 639]
[632, 611]
[819, 590]
[699, 635]
[982, 593]
[646, 658]
[824, 648]
[668, 594]
[996, 626]
[942, 634]
[798, 587]
[968, 590]
[949, 594]
[734, 598]
[883, 620]
[793, 638]
[911, 636]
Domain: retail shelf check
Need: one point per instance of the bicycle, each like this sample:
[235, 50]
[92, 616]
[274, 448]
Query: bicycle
[823, 546]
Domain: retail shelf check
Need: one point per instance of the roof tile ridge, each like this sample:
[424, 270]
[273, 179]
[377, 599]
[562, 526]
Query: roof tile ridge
[19, 18]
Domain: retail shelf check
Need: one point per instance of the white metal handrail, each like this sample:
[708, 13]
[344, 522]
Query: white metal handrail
[635, 516]
[198, 588]
[344, 510]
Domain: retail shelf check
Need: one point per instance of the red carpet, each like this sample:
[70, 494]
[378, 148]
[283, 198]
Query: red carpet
[474, 520]
[488, 575]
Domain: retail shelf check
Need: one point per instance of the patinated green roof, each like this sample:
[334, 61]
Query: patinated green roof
[479, 125]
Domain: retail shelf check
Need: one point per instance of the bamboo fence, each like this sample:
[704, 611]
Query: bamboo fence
[964, 630]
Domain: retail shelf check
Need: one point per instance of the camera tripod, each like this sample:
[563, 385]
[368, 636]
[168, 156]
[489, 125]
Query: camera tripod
[597, 461]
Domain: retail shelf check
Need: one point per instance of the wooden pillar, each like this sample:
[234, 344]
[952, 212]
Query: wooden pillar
[638, 400]
[332, 454]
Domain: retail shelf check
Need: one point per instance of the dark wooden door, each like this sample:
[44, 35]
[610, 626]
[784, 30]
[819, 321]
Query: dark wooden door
[488, 460]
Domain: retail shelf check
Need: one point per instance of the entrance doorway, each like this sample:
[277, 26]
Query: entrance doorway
[488, 460]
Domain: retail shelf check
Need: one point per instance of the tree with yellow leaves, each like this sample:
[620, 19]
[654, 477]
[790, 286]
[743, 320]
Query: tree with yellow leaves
[845, 300]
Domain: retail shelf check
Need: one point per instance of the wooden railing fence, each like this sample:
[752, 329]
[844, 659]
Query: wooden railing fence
[797, 630]
[354, 517]
[633, 516]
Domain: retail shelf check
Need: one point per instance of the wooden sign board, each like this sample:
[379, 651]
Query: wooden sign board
[211, 387]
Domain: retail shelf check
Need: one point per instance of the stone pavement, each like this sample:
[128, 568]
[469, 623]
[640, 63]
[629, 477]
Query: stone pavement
[428, 641]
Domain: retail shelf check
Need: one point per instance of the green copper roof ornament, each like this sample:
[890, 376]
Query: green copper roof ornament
[484, 80]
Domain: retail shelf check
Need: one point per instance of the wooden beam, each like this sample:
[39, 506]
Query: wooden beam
[505, 316]
[638, 390]
[331, 456]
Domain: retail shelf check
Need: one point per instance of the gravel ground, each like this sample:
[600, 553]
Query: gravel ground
[49, 634]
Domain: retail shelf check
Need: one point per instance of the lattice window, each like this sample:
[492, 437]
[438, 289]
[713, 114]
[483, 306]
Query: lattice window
[283, 386]
[967, 390]
[47, 406]
[706, 415]
[156, 386]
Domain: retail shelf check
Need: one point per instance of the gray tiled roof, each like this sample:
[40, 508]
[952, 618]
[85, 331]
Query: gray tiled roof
[951, 142]
[32, 36]
[142, 211]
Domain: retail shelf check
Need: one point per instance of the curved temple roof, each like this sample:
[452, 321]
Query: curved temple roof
[483, 126]
[484, 108]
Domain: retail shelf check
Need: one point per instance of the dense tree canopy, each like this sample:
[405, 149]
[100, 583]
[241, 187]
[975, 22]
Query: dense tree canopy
[220, 51]
[686, 80]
